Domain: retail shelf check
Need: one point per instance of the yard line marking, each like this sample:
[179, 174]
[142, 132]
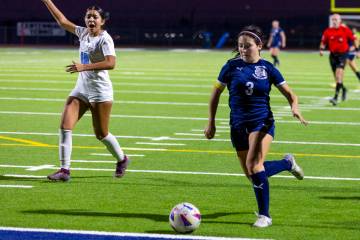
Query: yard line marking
[109, 154]
[23, 141]
[185, 139]
[160, 92]
[16, 186]
[189, 173]
[123, 235]
[175, 85]
[23, 176]
[160, 144]
[41, 167]
[93, 161]
[179, 118]
[191, 134]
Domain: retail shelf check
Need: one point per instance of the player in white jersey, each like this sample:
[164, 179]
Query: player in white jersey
[93, 90]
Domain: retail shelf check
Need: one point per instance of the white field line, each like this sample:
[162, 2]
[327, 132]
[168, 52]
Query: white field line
[191, 134]
[23, 176]
[155, 92]
[276, 112]
[176, 85]
[41, 167]
[189, 139]
[15, 186]
[171, 118]
[93, 161]
[121, 234]
[281, 112]
[160, 144]
[186, 173]
[109, 154]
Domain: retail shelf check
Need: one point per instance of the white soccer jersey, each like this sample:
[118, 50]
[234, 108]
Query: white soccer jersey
[94, 86]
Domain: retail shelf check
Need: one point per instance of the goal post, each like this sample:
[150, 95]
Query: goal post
[345, 6]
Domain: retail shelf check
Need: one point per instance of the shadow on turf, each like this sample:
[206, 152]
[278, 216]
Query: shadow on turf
[341, 197]
[209, 218]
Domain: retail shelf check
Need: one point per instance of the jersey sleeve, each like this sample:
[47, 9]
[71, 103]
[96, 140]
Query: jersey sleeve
[108, 47]
[223, 78]
[324, 38]
[275, 77]
[79, 31]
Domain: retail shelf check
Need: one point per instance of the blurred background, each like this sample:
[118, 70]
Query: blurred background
[171, 23]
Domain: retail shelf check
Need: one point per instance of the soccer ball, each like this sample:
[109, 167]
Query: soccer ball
[185, 218]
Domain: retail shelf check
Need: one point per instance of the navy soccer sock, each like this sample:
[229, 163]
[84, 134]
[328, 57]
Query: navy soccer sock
[261, 189]
[274, 167]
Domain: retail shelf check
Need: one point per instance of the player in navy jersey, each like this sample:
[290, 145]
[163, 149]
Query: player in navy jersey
[249, 78]
[277, 39]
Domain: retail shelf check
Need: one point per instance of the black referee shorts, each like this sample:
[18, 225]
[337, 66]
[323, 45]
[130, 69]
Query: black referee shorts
[338, 60]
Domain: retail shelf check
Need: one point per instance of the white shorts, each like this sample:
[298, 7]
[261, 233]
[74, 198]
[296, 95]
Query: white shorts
[94, 93]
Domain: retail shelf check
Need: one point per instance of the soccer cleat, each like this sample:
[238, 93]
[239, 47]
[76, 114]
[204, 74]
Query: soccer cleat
[343, 96]
[333, 101]
[121, 167]
[61, 175]
[262, 221]
[295, 170]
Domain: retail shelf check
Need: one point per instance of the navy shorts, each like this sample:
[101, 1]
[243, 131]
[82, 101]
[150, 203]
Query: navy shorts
[351, 55]
[240, 134]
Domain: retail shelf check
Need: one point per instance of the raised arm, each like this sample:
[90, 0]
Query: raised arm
[59, 17]
[210, 130]
[293, 102]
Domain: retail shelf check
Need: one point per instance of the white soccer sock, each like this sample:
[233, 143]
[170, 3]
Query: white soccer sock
[113, 146]
[65, 147]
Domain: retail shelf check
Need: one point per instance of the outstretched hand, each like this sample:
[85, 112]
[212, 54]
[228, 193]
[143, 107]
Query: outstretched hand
[75, 67]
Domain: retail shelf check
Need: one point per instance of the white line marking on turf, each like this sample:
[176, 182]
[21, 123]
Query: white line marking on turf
[174, 118]
[93, 161]
[109, 154]
[161, 144]
[122, 234]
[41, 167]
[15, 186]
[23, 176]
[189, 173]
[189, 139]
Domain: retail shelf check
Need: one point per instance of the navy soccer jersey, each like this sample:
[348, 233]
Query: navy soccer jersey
[249, 86]
[276, 37]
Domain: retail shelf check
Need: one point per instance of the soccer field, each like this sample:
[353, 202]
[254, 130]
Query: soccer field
[159, 114]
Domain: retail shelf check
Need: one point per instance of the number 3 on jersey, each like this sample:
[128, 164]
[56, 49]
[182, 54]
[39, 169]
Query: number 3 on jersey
[249, 88]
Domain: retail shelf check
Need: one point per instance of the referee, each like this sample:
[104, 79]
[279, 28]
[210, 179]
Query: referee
[339, 40]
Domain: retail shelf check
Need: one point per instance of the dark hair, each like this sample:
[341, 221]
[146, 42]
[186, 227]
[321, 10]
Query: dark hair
[252, 31]
[104, 15]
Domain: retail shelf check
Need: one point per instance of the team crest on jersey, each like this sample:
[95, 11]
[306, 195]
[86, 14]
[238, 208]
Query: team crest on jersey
[260, 72]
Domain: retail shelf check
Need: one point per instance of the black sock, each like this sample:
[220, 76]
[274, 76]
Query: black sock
[358, 75]
[276, 60]
[337, 90]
